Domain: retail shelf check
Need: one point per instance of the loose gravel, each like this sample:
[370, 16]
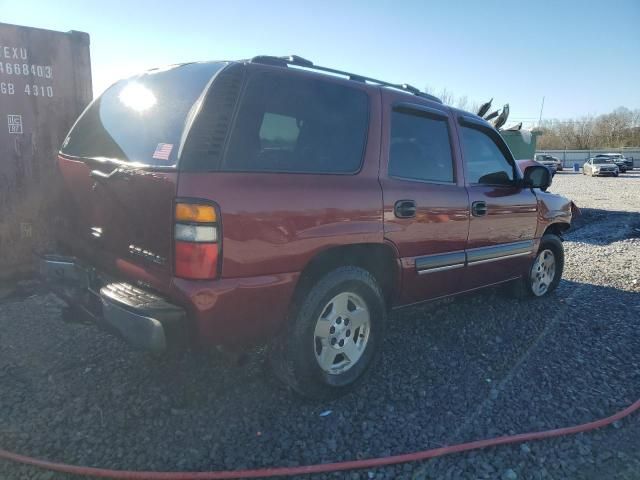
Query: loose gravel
[480, 366]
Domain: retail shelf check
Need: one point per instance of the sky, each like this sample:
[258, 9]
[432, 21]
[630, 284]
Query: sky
[582, 56]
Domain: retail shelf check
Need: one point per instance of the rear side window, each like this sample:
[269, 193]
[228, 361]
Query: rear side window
[141, 119]
[298, 125]
[420, 147]
[485, 163]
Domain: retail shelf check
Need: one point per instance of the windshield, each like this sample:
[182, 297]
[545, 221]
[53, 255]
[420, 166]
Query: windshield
[141, 119]
[601, 160]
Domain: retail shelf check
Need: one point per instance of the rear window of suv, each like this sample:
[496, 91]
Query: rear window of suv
[295, 124]
[141, 119]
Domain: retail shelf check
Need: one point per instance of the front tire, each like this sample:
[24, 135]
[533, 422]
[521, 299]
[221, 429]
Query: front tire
[546, 271]
[333, 335]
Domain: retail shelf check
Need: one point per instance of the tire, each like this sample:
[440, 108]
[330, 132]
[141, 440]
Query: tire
[538, 282]
[311, 355]
[616, 174]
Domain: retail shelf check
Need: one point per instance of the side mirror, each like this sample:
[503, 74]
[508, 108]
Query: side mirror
[537, 176]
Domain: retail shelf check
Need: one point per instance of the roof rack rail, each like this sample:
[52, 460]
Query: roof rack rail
[297, 61]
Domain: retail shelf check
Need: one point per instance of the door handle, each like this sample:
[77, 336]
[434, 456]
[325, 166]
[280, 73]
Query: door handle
[405, 209]
[479, 209]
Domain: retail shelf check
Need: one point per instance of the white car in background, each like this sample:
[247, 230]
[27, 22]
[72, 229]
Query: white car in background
[600, 166]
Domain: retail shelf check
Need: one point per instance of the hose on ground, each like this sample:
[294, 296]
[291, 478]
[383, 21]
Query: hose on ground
[319, 468]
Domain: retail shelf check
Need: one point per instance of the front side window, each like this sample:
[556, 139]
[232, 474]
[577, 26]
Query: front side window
[485, 163]
[295, 124]
[420, 147]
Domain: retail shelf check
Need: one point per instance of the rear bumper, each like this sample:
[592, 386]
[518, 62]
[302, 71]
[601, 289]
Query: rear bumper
[230, 312]
[142, 318]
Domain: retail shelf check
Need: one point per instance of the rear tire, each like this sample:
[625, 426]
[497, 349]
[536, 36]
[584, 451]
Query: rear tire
[545, 272]
[333, 335]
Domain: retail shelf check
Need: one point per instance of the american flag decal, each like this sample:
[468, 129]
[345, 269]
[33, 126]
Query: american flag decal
[163, 150]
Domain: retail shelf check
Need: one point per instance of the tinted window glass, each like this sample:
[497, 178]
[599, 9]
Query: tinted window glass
[420, 147]
[291, 124]
[141, 119]
[485, 162]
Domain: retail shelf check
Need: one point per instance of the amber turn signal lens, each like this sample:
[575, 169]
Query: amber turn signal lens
[193, 212]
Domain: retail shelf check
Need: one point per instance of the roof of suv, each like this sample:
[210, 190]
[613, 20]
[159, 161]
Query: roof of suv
[303, 63]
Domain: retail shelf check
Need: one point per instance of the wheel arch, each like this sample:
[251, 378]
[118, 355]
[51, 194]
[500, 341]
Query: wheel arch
[379, 259]
[557, 228]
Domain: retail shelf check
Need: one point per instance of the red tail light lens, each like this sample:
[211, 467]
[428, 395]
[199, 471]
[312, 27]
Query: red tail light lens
[196, 239]
[198, 261]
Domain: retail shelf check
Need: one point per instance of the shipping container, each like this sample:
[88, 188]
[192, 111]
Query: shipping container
[45, 83]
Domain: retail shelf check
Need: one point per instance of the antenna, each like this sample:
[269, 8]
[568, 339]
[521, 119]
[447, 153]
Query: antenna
[541, 107]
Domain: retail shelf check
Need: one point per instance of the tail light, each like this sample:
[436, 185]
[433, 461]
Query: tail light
[197, 241]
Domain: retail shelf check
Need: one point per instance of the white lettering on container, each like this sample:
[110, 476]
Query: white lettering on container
[15, 123]
[13, 53]
[14, 64]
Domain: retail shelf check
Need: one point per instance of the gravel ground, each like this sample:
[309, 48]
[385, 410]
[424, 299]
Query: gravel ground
[481, 366]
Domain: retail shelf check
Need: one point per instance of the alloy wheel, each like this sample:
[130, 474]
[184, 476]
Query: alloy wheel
[543, 272]
[341, 333]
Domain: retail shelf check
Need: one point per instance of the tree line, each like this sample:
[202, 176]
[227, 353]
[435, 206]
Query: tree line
[620, 128]
[617, 129]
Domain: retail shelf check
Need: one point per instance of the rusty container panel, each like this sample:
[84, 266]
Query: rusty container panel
[45, 83]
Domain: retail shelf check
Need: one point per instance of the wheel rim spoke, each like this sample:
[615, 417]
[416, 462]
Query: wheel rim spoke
[341, 304]
[322, 328]
[327, 357]
[359, 317]
[351, 351]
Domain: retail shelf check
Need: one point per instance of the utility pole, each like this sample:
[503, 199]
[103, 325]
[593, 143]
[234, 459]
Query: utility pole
[541, 107]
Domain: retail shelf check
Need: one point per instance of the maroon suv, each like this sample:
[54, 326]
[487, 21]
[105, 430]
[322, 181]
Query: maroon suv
[272, 200]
